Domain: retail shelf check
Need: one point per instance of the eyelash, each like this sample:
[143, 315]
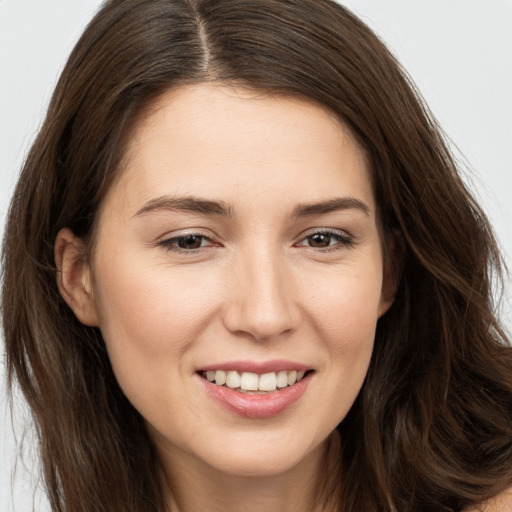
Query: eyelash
[343, 240]
[171, 244]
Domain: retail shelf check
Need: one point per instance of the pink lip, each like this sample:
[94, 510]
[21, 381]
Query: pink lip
[254, 405]
[276, 365]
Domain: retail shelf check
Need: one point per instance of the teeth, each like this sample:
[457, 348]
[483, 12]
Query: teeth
[233, 380]
[282, 380]
[268, 382]
[220, 377]
[292, 377]
[248, 381]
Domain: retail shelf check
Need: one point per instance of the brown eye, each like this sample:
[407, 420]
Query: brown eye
[327, 240]
[190, 242]
[186, 243]
[320, 240]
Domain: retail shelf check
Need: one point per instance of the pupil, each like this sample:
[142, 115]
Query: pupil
[319, 240]
[189, 242]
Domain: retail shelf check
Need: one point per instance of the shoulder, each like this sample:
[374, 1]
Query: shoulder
[500, 503]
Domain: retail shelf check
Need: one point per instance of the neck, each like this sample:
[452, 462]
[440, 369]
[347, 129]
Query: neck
[307, 487]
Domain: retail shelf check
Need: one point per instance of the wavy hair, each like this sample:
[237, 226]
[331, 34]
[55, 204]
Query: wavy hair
[431, 429]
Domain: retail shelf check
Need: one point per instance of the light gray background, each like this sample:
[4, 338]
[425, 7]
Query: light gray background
[459, 52]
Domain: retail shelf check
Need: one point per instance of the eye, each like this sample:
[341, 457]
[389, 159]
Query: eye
[327, 240]
[186, 243]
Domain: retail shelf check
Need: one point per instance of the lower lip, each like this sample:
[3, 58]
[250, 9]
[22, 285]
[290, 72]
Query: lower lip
[256, 405]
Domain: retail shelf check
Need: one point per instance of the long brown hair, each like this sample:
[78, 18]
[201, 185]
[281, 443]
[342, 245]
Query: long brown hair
[431, 429]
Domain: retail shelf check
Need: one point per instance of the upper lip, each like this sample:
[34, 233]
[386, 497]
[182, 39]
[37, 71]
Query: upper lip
[259, 367]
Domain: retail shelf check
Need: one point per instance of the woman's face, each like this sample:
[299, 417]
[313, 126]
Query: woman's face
[240, 242]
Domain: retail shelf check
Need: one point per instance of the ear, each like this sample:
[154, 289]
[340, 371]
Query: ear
[74, 277]
[393, 256]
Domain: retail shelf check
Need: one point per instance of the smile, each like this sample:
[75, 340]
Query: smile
[256, 390]
[249, 382]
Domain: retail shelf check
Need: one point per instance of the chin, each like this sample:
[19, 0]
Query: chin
[260, 457]
[256, 465]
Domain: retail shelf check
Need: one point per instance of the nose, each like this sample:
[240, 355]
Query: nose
[262, 303]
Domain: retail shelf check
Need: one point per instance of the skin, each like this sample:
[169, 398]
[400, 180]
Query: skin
[261, 287]
[500, 503]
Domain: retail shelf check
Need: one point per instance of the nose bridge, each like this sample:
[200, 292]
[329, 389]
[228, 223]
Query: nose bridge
[262, 303]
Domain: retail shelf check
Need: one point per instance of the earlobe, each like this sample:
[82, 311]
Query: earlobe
[392, 272]
[386, 301]
[74, 277]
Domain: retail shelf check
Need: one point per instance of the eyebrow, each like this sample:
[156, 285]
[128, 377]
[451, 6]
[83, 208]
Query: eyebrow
[187, 204]
[222, 209]
[331, 205]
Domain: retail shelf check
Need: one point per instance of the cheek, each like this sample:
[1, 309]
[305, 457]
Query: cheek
[150, 314]
[344, 315]
[345, 306]
[137, 301]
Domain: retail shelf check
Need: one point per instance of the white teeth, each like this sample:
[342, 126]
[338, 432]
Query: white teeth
[233, 380]
[220, 377]
[282, 380]
[249, 381]
[252, 382]
[292, 377]
[268, 382]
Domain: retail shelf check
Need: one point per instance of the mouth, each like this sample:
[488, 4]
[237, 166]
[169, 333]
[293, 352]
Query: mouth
[254, 383]
[256, 390]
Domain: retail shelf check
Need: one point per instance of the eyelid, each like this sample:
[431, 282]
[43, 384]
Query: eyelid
[345, 239]
[169, 241]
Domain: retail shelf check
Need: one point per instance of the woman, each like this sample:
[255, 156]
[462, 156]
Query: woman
[238, 275]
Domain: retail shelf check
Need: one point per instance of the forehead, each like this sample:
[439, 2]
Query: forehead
[215, 139]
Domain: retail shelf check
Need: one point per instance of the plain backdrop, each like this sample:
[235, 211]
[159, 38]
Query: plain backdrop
[459, 53]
